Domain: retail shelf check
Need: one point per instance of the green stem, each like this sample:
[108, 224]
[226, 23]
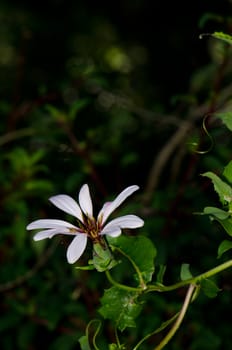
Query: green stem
[179, 320]
[193, 280]
[122, 286]
[140, 277]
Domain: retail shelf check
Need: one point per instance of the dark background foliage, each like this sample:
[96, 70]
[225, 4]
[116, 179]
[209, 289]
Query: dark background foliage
[110, 94]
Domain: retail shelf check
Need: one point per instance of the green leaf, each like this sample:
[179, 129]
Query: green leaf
[84, 342]
[160, 274]
[185, 273]
[222, 36]
[116, 347]
[102, 257]
[77, 106]
[224, 247]
[227, 225]
[216, 213]
[121, 307]
[141, 251]
[209, 288]
[222, 188]
[226, 118]
[227, 173]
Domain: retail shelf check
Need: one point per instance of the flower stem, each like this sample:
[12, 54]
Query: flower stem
[122, 286]
[139, 274]
[179, 320]
[193, 280]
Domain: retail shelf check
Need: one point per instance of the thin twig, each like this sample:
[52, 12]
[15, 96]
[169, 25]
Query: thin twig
[30, 273]
[179, 320]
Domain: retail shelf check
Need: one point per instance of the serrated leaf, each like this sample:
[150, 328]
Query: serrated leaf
[121, 307]
[185, 273]
[224, 247]
[209, 288]
[222, 188]
[216, 213]
[141, 250]
[227, 173]
[226, 118]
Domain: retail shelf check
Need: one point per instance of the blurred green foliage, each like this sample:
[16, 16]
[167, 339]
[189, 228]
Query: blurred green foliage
[111, 95]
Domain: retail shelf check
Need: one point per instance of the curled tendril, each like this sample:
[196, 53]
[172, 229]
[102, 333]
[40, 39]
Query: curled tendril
[208, 135]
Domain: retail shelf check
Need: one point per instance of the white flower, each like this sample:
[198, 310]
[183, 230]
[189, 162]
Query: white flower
[88, 226]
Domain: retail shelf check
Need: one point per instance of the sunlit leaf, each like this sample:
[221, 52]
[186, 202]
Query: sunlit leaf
[222, 36]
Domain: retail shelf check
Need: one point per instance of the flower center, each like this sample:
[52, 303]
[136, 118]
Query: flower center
[91, 227]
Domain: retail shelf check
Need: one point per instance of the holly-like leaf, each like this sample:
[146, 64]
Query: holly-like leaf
[141, 251]
[224, 247]
[222, 188]
[121, 307]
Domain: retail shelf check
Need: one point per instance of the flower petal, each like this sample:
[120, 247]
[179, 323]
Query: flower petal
[50, 233]
[49, 223]
[67, 204]
[85, 201]
[108, 208]
[113, 231]
[76, 248]
[126, 221]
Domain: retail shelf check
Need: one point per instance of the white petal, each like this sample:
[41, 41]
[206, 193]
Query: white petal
[85, 200]
[76, 248]
[50, 233]
[108, 208]
[126, 221]
[67, 204]
[113, 231]
[49, 223]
